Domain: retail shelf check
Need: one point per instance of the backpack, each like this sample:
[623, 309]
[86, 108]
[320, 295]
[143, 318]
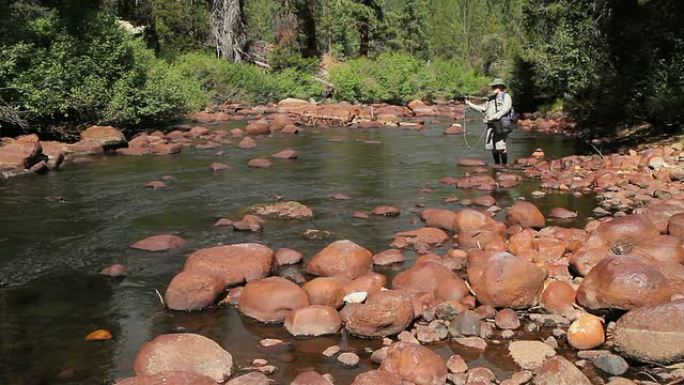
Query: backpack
[512, 116]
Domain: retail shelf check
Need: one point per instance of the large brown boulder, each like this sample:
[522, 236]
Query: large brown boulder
[469, 219]
[415, 363]
[431, 277]
[20, 155]
[663, 248]
[623, 283]
[169, 378]
[184, 352]
[341, 259]
[661, 213]
[370, 283]
[504, 280]
[313, 321]
[652, 334]
[525, 214]
[310, 378]
[160, 242]
[107, 136]
[440, 218]
[232, 264]
[588, 256]
[559, 371]
[383, 314]
[377, 377]
[624, 233]
[325, 291]
[192, 291]
[271, 299]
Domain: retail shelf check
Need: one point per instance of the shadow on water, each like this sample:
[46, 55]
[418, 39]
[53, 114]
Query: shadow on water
[51, 250]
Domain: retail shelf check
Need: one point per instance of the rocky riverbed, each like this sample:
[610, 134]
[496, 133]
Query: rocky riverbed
[348, 256]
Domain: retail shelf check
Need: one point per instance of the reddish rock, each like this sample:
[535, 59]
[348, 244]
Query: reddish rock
[291, 129]
[388, 257]
[249, 223]
[586, 332]
[387, 211]
[525, 214]
[383, 314]
[259, 163]
[313, 320]
[252, 378]
[271, 299]
[377, 377]
[559, 371]
[454, 129]
[342, 259]
[284, 210]
[485, 201]
[325, 291]
[184, 352]
[239, 133]
[504, 280]
[623, 283]
[469, 162]
[20, 155]
[507, 319]
[663, 248]
[310, 378]
[287, 256]
[562, 213]
[192, 291]
[166, 148]
[258, 127]
[420, 239]
[216, 166]
[652, 334]
[286, 154]
[197, 131]
[115, 270]
[558, 297]
[160, 242]
[588, 256]
[340, 197]
[675, 226]
[232, 264]
[247, 144]
[622, 234]
[431, 277]
[415, 363]
[155, 184]
[443, 219]
[469, 219]
[173, 377]
[107, 136]
[369, 283]
[360, 215]
[660, 213]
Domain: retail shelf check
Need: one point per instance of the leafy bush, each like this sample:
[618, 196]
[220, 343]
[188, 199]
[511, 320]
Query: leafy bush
[400, 77]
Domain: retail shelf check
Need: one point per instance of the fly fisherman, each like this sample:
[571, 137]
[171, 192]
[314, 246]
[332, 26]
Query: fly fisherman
[498, 114]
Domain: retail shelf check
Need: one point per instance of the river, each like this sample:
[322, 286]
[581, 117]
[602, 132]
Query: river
[58, 230]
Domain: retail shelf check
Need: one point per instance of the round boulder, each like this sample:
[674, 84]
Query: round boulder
[169, 378]
[192, 291]
[415, 363]
[184, 352]
[232, 264]
[343, 259]
[325, 291]
[525, 214]
[160, 242]
[431, 277]
[271, 299]
[623, 283]
[384, 313]
[313, 321]
[377, 377]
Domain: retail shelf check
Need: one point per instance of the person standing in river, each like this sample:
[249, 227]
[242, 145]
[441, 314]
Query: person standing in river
[498, 114]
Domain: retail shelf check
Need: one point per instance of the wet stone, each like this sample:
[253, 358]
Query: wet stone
[379, 355]
[611, 363]
[522, 377]
[483, 375]
[331, 351]
[456, 364]
[270, 342]
[475, 343]
[466, 323]
[348, 359]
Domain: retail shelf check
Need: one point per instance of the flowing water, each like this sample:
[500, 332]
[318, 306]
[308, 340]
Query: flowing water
[58, 230]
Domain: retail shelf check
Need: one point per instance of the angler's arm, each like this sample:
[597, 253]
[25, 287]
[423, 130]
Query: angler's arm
[475, 106]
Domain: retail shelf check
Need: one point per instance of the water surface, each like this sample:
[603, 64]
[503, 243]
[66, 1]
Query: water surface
[51, 249]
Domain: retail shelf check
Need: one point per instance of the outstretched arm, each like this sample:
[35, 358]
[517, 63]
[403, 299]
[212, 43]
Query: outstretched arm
[475, 106]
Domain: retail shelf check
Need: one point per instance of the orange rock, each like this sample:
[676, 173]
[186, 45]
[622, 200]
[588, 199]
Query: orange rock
[586, 332]
[99, 335]
[558, 297]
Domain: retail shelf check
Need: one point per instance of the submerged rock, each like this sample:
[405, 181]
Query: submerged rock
[184, 352]
[284, 210]
[530, 354]
[160, 242]
[313, 320]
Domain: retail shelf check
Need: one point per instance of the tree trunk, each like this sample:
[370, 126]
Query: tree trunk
[306, 17]
[228, 28]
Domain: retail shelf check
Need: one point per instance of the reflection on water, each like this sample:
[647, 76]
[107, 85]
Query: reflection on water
[50, 251]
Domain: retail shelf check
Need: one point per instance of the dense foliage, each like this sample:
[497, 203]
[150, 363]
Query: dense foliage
[145, 61]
